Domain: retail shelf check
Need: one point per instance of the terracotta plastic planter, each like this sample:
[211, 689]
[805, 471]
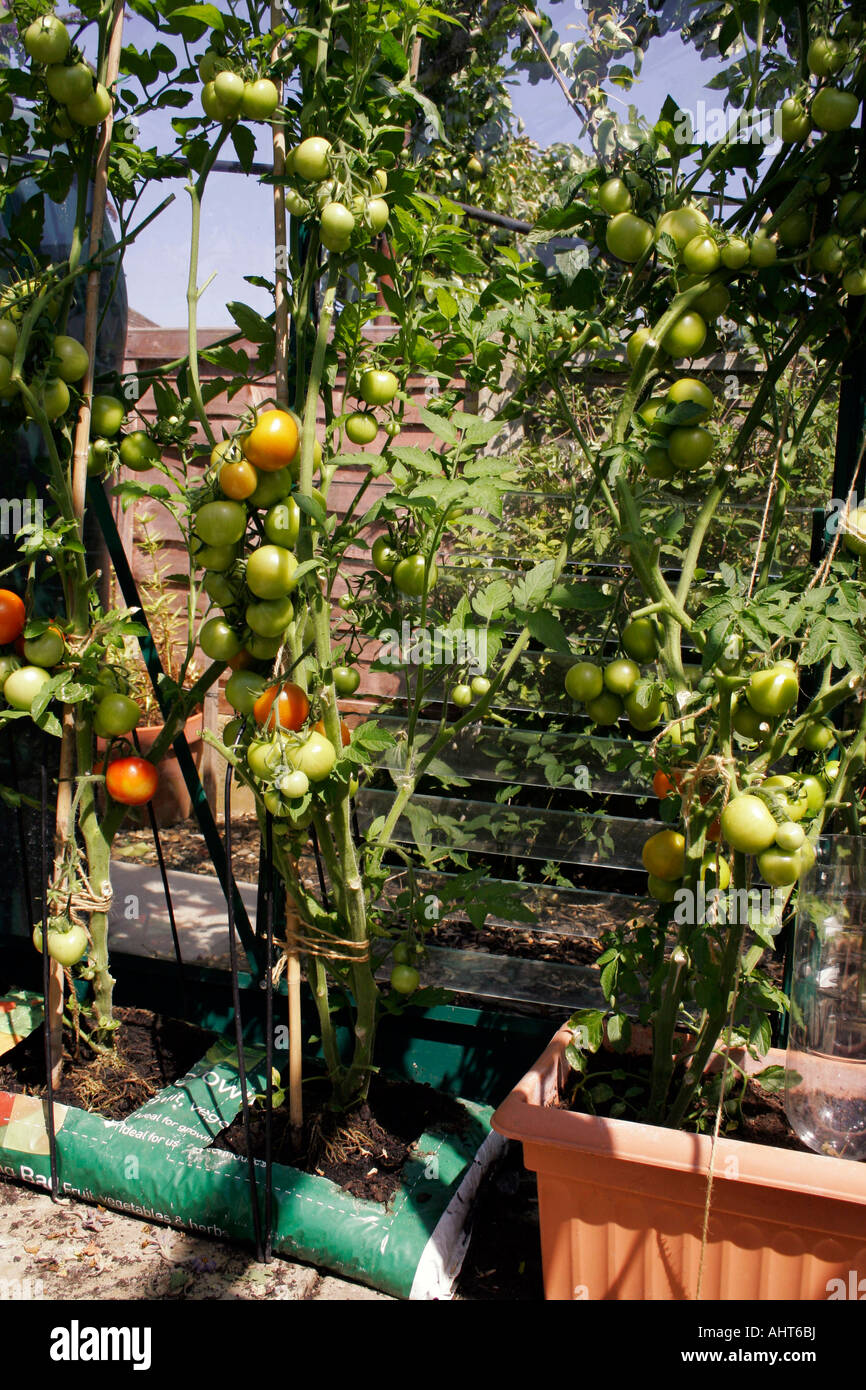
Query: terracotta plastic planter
[621, 1205]
[172, 802]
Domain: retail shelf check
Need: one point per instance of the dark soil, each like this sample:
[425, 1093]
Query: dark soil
[362, 1151]
[149, 1052]
[762, 1113]
[503, 1261]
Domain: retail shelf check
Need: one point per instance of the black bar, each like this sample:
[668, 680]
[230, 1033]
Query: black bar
[46, 992]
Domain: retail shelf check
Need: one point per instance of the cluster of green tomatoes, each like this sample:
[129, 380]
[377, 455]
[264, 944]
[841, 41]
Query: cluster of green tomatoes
[229, 95]
[608, 692]
[350, 207]
[81, 100]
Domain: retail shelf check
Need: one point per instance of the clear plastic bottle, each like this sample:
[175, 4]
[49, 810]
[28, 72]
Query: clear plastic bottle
[825, 1093]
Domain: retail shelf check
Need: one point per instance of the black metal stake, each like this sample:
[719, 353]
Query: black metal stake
[319, 868]
[163, 873]
[46, 992]
[239, 1029]
[269, 1031]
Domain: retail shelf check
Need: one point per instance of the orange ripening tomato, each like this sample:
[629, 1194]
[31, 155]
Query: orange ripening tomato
[664, 784]
[345, 731]
[273, 441]
[12, 616]
[714, 829]
[292, 706]
[238, 480]
[131, 781]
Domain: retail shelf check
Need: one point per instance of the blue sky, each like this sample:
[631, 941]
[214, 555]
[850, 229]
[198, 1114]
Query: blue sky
[237, 237]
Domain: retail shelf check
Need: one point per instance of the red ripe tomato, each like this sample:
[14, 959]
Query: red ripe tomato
[12, 616]
[273, 441]
[131, 781]
[292, 706]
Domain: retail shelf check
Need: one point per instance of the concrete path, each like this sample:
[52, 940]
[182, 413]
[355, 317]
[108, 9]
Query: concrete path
[139, 922]
[66, 1250]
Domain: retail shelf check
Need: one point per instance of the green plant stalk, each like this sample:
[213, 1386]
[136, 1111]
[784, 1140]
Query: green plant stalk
[193, 292]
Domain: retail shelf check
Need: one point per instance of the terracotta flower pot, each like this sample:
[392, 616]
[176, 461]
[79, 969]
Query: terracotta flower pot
[172, 801]
[621, 1205]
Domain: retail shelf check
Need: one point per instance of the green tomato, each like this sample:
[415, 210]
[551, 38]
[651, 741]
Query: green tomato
[815, 791]
[53, 398]
[8, 337]
[260, 99]
[790, 836]
[825, 56]
[795, 122]
[378, 387]
[683, 225]
[717, 877]
[282, 523]
[686, 336]
[47, 39]
[614, 197]
[405, 979]
[834, 109]
[270, 572]
[662, 889]
[346, 679]
[220, 524]
[605, 709]
[72, 359]
[852, 210]
[310, 159]
[778, 868]
[229, 91]
[461, 695]
[270, 617]
[817, 737]
[690, 447]
[628, 237]
[480, 686]
[854, 281]
[377, 212]
[263, 648]
[337, 226]
[116, 715]
[265, 757]
[139, 452]
[409, 574]
[692, 392]
[232, 731]
[584, 681]
[316, 757]
[644, 711]
[46, 649]
[701, 255]
[830, 252]
[713, 302]
[22, 686]
[790, 793]
[774, 691]
[748, 723]
[747, 824]
[735, 253]
[107, 416]
[243, 689]
[362, 427]
[271, 488]
[220, 589]
[384, 556]
[621, 676]
[657, 463]
[213, 557]
[66, 947]
[8, 664]
[94, 109]
[637, 342]
[218, 640]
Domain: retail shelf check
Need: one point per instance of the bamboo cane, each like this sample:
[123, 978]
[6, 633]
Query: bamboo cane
[54, 1008]
[281, 372]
